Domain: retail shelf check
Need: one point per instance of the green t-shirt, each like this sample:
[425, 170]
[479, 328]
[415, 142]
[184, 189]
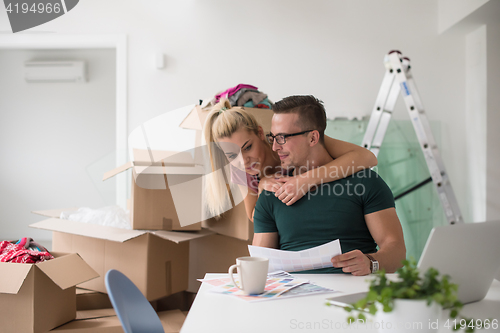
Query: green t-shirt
[332, 211]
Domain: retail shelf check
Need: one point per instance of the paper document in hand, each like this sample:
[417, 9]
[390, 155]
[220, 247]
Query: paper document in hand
[293, 261]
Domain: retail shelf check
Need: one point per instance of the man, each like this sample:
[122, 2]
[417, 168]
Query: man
[358, 210]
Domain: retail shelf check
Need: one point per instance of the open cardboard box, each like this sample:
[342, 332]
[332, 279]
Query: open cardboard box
[90, 300]
[161, 182]
[156, 261]
[233, 223]
[202, 254]
[106, 321]
[38, 297]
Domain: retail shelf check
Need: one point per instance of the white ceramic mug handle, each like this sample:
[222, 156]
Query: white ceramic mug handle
[231, 269]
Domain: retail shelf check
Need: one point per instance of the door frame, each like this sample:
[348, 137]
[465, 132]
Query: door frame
[118, 42]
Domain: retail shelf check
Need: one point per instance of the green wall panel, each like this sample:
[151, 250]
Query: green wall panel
[402, 165]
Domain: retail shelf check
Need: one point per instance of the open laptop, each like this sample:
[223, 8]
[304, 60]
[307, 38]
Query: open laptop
[469, 253]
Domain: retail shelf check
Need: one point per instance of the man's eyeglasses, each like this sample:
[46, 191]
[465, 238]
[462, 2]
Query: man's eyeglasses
[281, 138]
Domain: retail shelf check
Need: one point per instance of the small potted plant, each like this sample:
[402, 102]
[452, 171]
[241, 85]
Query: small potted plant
[412, 302]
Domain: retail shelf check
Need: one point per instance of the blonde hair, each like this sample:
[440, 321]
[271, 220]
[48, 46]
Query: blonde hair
[222, 121]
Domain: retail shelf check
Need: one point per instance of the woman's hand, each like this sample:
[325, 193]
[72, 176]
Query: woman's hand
[269, 184]
[292, 189]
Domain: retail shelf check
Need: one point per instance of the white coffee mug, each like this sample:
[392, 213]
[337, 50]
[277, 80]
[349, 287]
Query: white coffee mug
[252, 272]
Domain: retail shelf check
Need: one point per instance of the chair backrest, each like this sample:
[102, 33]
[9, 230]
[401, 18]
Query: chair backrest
[133, 309]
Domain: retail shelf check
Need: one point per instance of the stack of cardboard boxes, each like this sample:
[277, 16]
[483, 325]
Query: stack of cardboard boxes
[234, 231]
[160, 255]
[40, 298]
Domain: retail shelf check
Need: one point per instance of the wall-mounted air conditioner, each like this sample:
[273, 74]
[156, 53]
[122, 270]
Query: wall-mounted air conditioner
[55, 71]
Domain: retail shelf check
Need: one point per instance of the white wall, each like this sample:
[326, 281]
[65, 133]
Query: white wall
[453, 11]
[476, 121]
[56, 139]
[333, 49]
[330, 48]
[482, 25]
[493, 129]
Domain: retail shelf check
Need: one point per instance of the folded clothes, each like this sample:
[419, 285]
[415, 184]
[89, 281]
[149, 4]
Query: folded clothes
[255, 96]
[265, 104]
[231, 91]
[24, 251]
[233, 100]
[30, 244]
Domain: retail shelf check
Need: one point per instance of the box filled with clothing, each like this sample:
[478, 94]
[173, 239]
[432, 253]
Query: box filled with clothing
[36, 297]
[156, 261]
[195, 120]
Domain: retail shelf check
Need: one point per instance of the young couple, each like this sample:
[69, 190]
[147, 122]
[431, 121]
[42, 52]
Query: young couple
[361, 219]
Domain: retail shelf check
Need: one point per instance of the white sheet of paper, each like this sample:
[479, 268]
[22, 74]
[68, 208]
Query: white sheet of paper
[293, 261]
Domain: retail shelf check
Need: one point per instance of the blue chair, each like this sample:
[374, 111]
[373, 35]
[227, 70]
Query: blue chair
[133, 309]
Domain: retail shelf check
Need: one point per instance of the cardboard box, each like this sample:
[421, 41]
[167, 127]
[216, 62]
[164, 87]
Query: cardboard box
[156, 261]
[166, 187]
[233, 223]
[38, 297]
[213, 254]
[181, 301]
[106, 321]
[91, 300]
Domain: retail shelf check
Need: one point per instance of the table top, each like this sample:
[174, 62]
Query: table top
[213, 312]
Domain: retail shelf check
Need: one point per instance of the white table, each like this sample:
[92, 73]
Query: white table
[213, 312]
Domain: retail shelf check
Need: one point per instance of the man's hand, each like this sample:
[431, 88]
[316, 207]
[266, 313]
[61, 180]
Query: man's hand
[354, 262]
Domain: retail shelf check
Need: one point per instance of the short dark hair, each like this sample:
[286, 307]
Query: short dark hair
[312, 115]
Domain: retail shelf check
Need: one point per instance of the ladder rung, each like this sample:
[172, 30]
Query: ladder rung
[416, 187]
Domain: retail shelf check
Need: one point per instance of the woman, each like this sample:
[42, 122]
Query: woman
[231, 130]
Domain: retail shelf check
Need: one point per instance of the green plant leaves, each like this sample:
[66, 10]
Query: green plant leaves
[371, 296]
[410, 284]
[387, 308]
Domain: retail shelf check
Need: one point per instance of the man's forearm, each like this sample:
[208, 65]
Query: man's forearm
[390, 256]
[387, 232]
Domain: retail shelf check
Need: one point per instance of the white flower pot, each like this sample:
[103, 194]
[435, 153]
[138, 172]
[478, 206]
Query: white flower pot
[409, 316]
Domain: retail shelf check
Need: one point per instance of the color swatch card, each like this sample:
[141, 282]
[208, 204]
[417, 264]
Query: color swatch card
[279, 285]
[274, 288]
[224, 280]
[293, 261]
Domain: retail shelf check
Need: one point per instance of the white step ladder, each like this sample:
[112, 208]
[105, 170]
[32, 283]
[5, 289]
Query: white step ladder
[398, 79]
